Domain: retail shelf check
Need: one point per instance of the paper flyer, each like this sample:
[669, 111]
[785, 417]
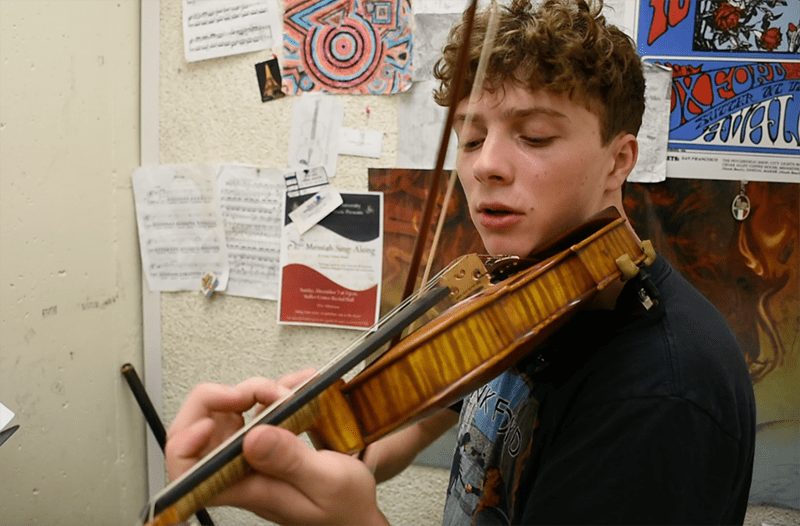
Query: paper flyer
[6, 415]
[331, 274]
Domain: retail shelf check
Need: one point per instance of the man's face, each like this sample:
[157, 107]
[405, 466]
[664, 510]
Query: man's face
[533, 166]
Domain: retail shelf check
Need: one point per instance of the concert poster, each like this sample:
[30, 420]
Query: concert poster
[331, 273]
[735, 108]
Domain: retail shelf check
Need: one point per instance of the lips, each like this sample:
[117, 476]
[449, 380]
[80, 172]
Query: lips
[498, 216]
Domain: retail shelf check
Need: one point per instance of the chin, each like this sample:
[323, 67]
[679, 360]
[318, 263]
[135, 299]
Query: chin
[506, 246]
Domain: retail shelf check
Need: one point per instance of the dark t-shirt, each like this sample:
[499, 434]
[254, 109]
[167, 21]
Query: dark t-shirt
[640, 417]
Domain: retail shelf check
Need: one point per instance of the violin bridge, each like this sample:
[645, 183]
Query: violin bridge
[465, 276]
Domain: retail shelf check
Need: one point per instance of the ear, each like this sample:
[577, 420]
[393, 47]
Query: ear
[625, 149]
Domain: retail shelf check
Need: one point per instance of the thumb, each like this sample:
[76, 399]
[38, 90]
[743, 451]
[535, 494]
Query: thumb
[275, 451]
[308, 486]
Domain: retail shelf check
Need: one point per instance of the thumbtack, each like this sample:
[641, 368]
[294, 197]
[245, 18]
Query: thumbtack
[209, 285]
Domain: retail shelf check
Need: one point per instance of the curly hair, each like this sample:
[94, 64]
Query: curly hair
[562, 46]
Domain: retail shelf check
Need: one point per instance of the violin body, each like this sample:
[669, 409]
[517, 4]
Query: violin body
[472, 343]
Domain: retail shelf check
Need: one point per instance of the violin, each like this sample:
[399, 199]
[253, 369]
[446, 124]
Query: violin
[511, 306]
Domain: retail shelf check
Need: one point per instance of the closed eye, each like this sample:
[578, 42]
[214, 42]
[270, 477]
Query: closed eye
[470, 145]
[538, 141]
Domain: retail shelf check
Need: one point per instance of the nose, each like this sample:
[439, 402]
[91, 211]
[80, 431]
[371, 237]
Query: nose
[493, 163]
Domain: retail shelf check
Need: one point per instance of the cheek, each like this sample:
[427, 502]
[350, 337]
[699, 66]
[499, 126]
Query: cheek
[571, 177]
[467, 183]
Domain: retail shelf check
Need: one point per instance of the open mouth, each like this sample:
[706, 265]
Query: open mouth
[496, 216]
[496, 212]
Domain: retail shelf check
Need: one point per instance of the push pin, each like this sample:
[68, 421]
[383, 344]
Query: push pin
[209, 285]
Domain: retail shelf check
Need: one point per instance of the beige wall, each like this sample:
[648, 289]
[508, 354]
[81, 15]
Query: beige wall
[70, 293]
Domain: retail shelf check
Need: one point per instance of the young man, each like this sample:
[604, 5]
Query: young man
[641, 415]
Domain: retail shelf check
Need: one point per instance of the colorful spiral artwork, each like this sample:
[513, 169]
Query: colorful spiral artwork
[347, 46]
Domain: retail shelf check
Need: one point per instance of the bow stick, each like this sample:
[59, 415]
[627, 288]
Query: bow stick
[433, 190]
[229, 453]
[491, 31]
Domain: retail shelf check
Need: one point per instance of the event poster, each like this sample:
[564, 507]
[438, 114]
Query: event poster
[331, 274]
[735, 109]
[750, 270]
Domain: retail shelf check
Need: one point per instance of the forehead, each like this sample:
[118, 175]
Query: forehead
[512, 101]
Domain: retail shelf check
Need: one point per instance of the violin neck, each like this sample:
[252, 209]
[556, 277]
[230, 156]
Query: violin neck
[231, 473]
[298, 414]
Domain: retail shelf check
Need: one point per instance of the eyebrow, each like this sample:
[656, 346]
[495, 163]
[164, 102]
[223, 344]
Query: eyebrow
[517, 113]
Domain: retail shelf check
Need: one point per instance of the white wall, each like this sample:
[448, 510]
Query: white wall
[70, 292]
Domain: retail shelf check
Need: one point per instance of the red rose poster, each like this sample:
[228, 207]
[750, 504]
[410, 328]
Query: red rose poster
[735, 110]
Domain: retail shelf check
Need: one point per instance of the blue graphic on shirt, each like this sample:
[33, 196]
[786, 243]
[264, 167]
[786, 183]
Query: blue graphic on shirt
[495, 430]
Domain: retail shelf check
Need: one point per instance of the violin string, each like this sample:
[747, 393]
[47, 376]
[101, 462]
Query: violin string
[429, 285]
[480, 74]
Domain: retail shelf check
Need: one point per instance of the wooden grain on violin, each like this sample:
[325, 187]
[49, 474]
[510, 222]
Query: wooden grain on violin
[481, 337]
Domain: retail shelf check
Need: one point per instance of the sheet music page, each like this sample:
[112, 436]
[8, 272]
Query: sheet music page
[251, 201]
[181, 237]
[218, 28]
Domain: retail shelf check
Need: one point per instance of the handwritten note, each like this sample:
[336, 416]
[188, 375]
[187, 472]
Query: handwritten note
[180, 235]
[361, 143]
[251, 201]
[218, 28]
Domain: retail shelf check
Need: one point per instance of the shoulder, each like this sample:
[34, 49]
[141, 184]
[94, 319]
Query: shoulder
[681, 349]
[664, 391]
[706, 362]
